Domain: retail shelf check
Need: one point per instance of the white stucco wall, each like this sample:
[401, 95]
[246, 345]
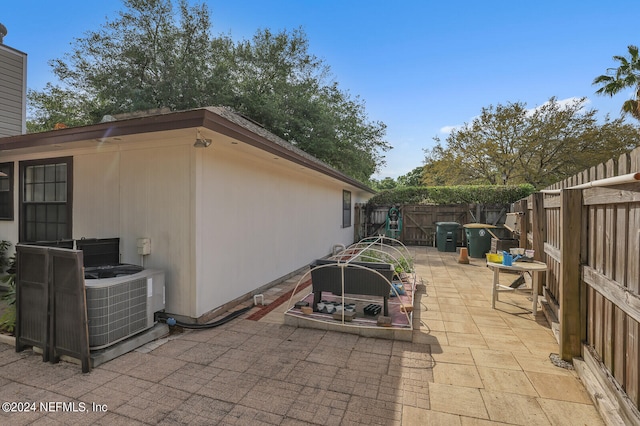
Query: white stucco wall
[223, 221]
[258, 221]
[132, 191]
[144, 192]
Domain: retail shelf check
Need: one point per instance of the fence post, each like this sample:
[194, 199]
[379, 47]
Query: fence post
[539, 232]
[571, 329]
[539, 225]
[522, 207]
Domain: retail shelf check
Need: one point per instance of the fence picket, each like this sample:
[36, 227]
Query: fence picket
[610, 248]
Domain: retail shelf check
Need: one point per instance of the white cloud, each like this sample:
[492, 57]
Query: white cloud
[562, 103]
[448, 129]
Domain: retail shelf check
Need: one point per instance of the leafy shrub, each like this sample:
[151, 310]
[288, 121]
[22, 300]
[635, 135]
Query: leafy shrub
[461, 194]
[4, 259]
[8, 317]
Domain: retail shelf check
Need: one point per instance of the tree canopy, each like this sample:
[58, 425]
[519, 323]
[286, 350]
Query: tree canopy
[152, 56]
[510, 144]
[625, 76]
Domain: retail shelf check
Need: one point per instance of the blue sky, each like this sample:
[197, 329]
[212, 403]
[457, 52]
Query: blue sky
[420, 66]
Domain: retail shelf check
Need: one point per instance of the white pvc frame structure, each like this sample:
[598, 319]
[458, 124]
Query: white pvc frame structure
[353, 253]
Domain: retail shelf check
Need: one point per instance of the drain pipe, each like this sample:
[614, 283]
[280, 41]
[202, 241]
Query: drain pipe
[161, 316]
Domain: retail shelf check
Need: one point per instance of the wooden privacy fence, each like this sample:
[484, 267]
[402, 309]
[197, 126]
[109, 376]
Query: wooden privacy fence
[589, 237]
[419, 220]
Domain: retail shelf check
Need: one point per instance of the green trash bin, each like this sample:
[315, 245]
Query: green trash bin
[478, 238]
[446, 235]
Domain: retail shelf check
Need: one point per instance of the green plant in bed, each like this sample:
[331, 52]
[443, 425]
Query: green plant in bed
[400, 263]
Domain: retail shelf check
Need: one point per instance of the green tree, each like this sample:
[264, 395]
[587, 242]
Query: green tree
[386, 183]
[281, 85]
[510, 144]
[625, 76]
[147, 59]
[413, 178]
[151, 57]
[442, 167]
[55, 105]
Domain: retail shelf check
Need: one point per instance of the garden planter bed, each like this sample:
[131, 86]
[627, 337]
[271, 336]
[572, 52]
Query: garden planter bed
[368, 291]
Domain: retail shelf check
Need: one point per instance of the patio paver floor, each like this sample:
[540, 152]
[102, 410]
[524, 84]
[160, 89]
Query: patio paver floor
[468, 364]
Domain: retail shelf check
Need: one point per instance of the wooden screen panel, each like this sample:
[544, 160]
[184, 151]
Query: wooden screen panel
[32, 298]
[69, 327]
[51, 308]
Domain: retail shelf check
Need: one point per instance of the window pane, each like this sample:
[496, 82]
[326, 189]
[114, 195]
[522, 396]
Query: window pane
[6, 191]
[28, 175]
[30, 213]
[41, 231]
[346, 209]
[52, 230]
[52, 213]
[62, 231]
[346, 200]
[28, 192]
[62, 213]
[38, 192]
[50, 173]
[61, 172]
[38, 174]
[61, 192]
[49, 192]
[4, 204]
[41, 213]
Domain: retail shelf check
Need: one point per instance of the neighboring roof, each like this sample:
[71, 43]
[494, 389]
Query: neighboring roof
[218, 119]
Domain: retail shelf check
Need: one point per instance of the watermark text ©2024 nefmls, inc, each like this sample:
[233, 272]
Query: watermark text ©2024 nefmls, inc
[53, 407]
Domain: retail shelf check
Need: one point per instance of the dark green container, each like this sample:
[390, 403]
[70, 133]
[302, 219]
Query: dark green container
[446, 235]
[478, 238]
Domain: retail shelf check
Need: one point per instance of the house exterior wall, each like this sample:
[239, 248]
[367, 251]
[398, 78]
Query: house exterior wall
[142, 190]
[13, 91]
[223, 221]
[258, 221]
[155, 195]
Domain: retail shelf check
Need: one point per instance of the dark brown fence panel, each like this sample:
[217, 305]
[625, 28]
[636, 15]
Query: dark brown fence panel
[599, 307]
[551, 251]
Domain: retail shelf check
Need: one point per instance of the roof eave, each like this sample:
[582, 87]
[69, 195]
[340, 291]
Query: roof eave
[210, 118]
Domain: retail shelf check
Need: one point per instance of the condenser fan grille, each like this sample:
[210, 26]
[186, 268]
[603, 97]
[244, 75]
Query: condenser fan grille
[116, 312]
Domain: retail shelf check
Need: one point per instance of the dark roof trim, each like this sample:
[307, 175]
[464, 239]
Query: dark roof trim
[217, 119]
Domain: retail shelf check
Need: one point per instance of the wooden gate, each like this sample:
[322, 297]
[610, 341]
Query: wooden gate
[419, 220]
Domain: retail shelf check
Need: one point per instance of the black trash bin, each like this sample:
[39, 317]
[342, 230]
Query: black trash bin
[446, 235]
[478, 238]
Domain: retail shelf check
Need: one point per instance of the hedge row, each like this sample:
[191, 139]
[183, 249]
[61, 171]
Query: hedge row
[481, 194]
